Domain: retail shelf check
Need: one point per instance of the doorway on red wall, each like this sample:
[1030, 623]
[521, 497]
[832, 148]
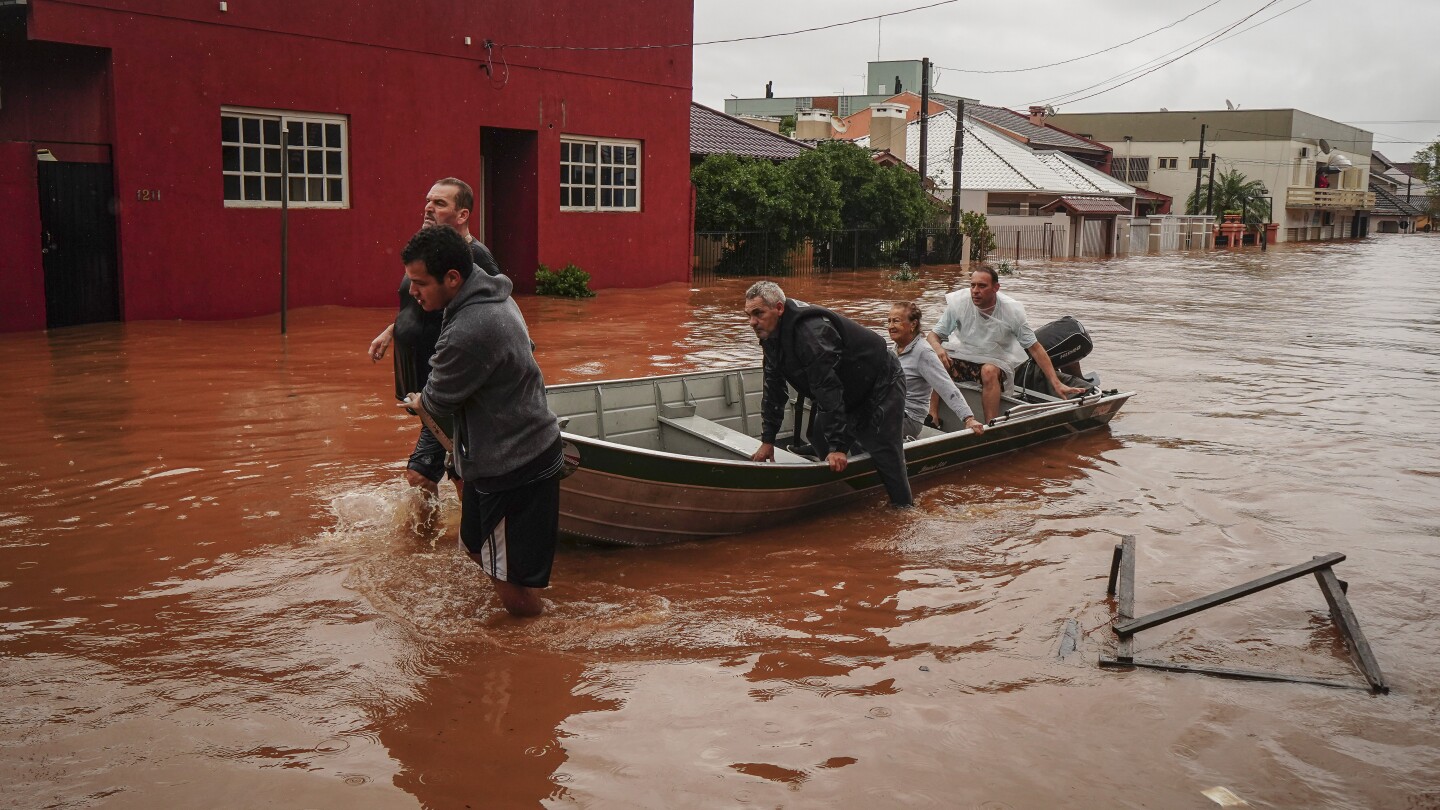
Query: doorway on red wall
[510, 201]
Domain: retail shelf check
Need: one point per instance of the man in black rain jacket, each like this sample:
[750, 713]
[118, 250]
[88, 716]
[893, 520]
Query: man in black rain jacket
[846, 370]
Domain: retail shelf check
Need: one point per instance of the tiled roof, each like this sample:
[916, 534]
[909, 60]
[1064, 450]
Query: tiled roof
[1082, 176]
[1037, 136]
[995, 162]
[1391, 205]
[857, 124]
[714, 133]
[1088, 205]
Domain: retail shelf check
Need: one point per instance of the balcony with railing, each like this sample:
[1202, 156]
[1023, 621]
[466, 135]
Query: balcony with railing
[1330, 198]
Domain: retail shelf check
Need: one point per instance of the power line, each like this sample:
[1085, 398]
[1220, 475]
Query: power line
[733, 39]
[1141, 71]
[1088, 55]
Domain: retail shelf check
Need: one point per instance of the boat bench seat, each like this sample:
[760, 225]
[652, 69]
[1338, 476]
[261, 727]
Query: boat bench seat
[721, 436]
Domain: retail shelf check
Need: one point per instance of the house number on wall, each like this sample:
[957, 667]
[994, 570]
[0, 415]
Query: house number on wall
[147, 194]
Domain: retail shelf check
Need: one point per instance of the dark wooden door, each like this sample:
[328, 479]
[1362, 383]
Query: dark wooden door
[77, 233]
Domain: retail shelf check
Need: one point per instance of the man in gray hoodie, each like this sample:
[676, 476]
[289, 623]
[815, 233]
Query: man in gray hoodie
[506, 442]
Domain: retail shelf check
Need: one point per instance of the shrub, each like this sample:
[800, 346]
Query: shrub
[974, 225]
[905, 273]
[568, 282]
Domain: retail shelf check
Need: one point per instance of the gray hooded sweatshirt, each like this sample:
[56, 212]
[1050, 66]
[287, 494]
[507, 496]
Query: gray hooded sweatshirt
[484, 372]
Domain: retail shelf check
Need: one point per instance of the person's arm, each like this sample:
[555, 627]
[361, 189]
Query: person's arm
[942, 330]
[820, 350]
[940, 382]
[455, 374]
[382, 342]
[773, 398]
[1042, 361]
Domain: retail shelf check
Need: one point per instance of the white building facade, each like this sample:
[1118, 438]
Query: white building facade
[1316, 171]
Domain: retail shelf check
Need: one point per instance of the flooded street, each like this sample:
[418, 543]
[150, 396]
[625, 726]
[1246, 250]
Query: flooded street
[213, 591]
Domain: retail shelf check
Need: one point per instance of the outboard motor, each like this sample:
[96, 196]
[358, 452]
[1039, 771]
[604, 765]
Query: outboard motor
[1067, 342]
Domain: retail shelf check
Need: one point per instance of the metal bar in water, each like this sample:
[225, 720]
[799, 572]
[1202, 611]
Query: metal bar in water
[1222, 672]
[1344, 619]
[1125, 593]
[1229, 594]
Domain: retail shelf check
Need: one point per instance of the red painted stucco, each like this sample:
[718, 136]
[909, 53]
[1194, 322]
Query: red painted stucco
[22, 307]
[420, 105]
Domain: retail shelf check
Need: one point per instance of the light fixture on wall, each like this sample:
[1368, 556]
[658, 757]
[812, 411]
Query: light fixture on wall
[46, 155]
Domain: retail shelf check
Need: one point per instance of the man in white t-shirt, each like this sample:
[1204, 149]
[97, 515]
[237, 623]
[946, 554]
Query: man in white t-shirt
[986, 335]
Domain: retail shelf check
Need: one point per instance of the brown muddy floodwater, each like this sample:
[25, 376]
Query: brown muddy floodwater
[211, 593]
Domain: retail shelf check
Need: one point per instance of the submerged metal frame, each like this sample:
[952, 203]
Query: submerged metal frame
[1121, 586]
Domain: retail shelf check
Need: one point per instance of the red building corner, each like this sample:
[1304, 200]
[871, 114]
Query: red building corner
[141, 168]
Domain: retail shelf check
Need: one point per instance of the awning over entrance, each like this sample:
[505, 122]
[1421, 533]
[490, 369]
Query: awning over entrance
[1087, 205]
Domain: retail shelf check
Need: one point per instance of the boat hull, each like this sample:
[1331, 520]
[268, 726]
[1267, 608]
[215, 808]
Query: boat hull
[623, 494]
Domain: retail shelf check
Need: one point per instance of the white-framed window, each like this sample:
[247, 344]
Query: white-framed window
[599, 175]
[251, 158]
[1169, 163]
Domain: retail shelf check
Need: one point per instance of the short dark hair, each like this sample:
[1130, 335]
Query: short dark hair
[912, 311]
[464, 195]
[441, 248]
[990, 271]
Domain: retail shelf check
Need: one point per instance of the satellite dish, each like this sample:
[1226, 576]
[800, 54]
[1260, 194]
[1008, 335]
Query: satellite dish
[1164, 109]
[1228, 105]
[1324, 145]
[1049, 110]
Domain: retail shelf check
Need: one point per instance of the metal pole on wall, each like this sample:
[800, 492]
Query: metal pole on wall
[1210, 192]
[284, 223]
[956, 158]
[1199, 168]
[924, 116]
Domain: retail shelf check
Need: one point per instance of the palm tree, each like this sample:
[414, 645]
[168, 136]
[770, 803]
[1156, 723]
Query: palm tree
[1234, 192]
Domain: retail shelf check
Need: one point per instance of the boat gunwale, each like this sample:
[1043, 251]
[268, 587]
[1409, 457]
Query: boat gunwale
[918, 443]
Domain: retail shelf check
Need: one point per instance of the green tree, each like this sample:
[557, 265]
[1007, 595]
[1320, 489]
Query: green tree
[778, 205]
[1234, 192]
[1427, 170]
[836, 186]
[886, 199]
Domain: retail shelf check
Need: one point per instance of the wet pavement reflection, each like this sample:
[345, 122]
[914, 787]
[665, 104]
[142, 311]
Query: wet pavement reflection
[214, 589]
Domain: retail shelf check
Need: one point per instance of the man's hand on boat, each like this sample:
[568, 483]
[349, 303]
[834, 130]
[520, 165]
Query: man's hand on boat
[1066, 391]
[837, 461]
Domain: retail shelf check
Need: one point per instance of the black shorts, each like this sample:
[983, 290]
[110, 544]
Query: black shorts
[513, 533]
[428, 459]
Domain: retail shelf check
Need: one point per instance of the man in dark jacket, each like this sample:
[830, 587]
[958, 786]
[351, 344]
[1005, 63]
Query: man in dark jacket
[506, 440]
[415, 331]
[847, 371]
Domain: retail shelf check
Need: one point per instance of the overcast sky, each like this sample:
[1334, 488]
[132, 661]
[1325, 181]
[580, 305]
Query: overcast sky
[1371, 64]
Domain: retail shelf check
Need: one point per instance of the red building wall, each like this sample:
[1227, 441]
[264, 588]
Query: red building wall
[418, 100]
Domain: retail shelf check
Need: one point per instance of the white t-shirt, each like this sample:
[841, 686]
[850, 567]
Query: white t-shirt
[999, 338]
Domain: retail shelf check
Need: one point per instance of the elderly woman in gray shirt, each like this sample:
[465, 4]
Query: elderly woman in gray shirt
[923, 372]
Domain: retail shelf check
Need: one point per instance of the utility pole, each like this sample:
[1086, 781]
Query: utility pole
[924, 117]
[1199, 167]
[958, 157]
[284, 223]
[1210, 193]
[924, 143]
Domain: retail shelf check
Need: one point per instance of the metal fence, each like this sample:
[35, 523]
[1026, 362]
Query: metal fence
[758, 253]
[1016, 242]
[764, 253]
